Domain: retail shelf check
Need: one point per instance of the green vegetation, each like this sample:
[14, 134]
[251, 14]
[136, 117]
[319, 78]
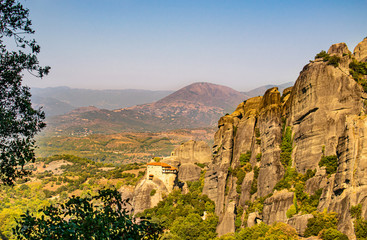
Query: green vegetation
[258, 157]
[332, 60]
[91, 217]
[245, 158]
[330, 162]
[19, 121]
[201, 165]
[182, 214]
[320, 221]
[153, 192]
[360, 225]
[286, 148]
[263, 231]
[254, 181]
[56, 178]
[324, 55]
[332, 234]
[358, 70]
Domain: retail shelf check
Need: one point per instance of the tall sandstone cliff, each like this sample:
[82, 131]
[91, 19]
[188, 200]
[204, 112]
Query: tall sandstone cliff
[327, 115]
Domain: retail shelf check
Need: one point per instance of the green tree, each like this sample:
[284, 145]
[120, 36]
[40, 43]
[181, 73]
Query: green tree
[98, 217]
[19, 122]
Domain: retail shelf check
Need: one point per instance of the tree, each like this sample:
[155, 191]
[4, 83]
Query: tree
[19, 122]
[98, 217]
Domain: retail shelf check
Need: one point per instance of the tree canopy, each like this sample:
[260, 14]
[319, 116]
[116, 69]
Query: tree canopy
[93, 217]
[19, 121]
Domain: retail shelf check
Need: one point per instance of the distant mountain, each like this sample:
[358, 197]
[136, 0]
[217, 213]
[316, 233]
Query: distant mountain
[261, 90]
[60, 100]
[197, 105]
[201, 103]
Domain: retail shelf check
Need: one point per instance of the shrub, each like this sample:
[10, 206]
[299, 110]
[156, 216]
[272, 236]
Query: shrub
[324, 55]
[245, 158]
[153, 192]
[286, 148]
[356, 211]
[334, 61]
[360, 228]
[330, 162]
[332, 234]
[320, 221]
[258, 157]
[291, 211]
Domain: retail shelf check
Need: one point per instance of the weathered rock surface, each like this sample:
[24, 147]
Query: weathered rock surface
[189, 172]
[299, 222]
[253, 219]
[275, 207]
[193, 152]
[360, 51]
[321, 99]
[227, 224]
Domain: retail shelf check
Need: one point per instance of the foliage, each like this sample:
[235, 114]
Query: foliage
[263, 231]
[360, 228]
[334, 61]
[332, 234]
[330, 162]
[360, 225]
[177, 206]
[258, 157]
[82, 218]
[238, 221]
[19, 122]
[201, 165]
[153, 192]
[320, 221]
[286, 148]
[356, 211]
[358, 70]
[292, 210]
[254, 181]
[193, 226]
[324, 55]
[245, 158]
[79, 177]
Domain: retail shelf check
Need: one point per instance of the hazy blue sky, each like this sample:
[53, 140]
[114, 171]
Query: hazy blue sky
[165, 45]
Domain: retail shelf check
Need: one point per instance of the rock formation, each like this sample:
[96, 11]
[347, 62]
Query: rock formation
[325, 111]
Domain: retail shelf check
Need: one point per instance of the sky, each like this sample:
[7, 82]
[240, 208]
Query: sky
[168, 44]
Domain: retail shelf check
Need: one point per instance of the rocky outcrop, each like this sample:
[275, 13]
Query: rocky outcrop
[193, 152]
[326, 113]
[189, 172]
[227, 224]
[360, 51]
[143, 194]
[299, 222]
[275, 207]
[320, 100]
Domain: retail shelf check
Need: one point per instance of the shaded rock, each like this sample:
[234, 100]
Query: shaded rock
[189, 172]
[245, 188]
[271, 169]
[253, 219]
[360, 51]
[318, 181]
[299, 222]
[321, 99]
[127, 196]
[227, 223]
[276, 206]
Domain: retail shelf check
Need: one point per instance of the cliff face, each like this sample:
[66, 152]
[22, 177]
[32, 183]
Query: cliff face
[325, 111]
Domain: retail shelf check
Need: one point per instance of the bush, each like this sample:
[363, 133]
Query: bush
[324, 55]
[356, 211]
[258, 157]
[360, 228]
[334, 61]
[332, 234]
[330, 162]
[245, 158]
[291, 211]
[152, 193]
[320, 221]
